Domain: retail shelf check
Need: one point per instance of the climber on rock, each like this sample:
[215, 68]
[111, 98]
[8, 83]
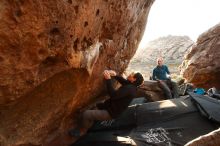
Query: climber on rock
[115, 105]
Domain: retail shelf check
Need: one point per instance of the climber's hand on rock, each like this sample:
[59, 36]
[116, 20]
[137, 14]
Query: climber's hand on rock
[112, 72]
[106, 74]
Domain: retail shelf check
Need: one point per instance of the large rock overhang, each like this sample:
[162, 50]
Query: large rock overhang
[52, 54]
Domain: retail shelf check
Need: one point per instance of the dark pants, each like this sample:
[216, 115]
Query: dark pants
[174, 89]
[170, 88]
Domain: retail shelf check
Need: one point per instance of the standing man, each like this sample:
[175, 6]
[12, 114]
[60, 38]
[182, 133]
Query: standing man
[115, 105]
[161, 74]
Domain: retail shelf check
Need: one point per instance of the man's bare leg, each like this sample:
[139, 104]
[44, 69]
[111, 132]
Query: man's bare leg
[87, 120]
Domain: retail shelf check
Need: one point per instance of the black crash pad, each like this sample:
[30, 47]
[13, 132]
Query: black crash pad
[164, 123]
[209, 106]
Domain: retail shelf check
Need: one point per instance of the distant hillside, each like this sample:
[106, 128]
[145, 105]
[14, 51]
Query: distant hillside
[171, 48]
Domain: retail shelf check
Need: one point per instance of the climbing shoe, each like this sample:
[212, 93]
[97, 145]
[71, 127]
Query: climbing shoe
[74, 132]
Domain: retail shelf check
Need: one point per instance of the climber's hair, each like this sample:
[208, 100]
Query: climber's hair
[139, 79]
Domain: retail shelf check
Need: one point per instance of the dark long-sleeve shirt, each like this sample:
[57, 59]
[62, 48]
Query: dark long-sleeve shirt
[160, 73]
[120, 98]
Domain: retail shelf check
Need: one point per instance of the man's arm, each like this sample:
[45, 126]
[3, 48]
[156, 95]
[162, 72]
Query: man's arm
[167, 70]
[121, 92]
[124, 92]
[107, 77]
[154, 75]
[121, 80]
[117, 94]
[111, 90]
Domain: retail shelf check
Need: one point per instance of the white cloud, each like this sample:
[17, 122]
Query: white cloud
[181, 17]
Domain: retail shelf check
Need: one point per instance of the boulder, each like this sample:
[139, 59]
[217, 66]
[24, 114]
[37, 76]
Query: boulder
[151, 91]
[210, 139]
[201, 65]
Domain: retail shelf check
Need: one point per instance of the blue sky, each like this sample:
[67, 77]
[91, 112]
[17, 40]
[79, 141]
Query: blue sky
[181, 17]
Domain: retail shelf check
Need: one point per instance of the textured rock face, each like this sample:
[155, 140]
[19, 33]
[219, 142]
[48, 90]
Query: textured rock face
[201, 65]
[171, 48]
[210, 139]
[52, 54]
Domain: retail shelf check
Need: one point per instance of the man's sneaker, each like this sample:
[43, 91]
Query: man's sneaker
[74, 132]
